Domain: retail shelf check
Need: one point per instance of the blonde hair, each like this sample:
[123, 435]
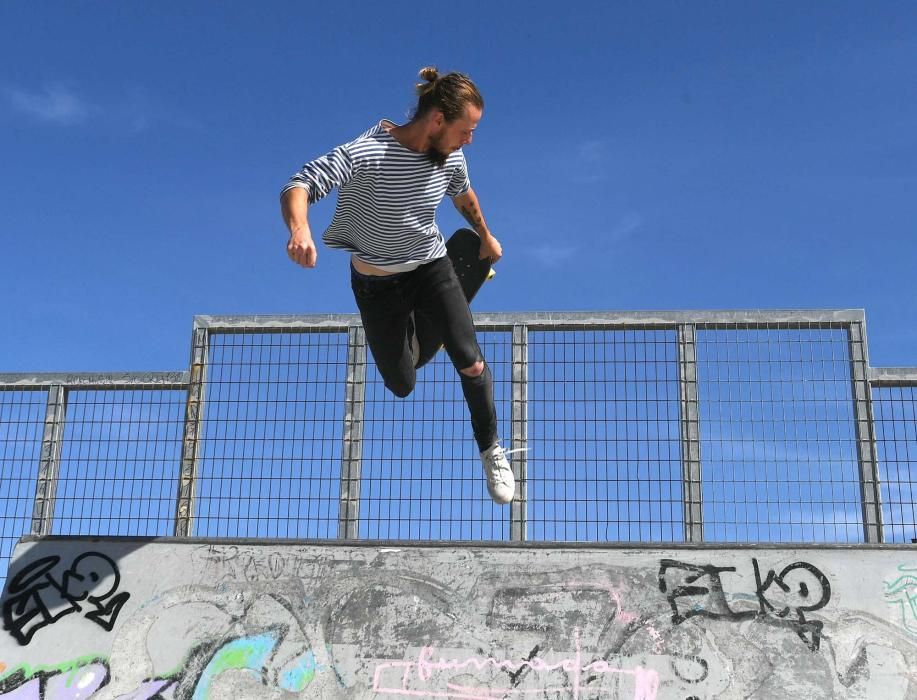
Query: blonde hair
[450, 94]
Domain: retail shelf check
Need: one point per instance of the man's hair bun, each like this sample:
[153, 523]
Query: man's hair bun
[430, 73]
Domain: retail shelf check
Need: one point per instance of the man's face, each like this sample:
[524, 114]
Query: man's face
[451, 136]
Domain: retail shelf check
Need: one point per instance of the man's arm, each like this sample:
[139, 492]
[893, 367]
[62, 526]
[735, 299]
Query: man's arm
[470, 208]
[294, 207]
[316, 179]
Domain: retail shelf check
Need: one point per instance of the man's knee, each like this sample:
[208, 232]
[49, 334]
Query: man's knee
[400, 387]
[476, 370]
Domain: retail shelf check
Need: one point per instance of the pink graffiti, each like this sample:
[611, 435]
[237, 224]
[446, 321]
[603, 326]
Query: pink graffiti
[417, 677]
[621, 615]
[625, 617]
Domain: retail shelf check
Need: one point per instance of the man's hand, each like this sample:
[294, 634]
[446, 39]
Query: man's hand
[301, 248]
[490, 248]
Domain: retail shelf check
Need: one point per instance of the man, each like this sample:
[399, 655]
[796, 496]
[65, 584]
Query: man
[391, 180]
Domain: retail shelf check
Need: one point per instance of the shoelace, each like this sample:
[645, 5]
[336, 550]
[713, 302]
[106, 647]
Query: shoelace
[513, 451]
[509, 452]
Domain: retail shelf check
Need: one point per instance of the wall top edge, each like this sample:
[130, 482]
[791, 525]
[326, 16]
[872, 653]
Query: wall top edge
[462, 544]
[100, 380]
[893, 376]
[554, 318]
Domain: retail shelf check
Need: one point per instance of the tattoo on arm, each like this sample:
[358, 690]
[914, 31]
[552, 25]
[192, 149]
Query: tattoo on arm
[472, 216]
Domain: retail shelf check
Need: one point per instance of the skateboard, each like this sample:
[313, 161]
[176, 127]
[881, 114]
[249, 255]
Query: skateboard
[463, 249]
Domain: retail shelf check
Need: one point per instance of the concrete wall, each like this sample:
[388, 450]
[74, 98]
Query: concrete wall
[141, 619]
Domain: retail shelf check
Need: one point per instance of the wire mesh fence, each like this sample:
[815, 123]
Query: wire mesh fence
[22, 417]
[758, 426]
[118, 462]
[778, 443]
[896, 439]
[270, 446]
[604, 457]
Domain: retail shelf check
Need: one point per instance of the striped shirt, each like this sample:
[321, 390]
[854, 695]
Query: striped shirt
[387, 199]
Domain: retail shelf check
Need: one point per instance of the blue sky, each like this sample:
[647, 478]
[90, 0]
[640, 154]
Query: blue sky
[663, 155]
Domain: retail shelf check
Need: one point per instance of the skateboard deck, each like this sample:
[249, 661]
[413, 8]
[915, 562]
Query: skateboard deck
[463, 248]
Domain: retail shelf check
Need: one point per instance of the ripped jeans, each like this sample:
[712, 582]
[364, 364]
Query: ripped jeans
[442, 316]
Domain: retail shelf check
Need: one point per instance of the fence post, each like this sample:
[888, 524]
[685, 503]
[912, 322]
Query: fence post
[194, 420]
[870, 490]
[519, 418]
[352, 453]
[49, 466]
[690, 433]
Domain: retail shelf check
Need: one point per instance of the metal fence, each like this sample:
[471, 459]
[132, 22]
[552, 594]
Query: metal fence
[894, 401]
[658, 427]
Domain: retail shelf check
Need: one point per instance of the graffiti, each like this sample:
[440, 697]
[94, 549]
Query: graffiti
[36, 599]
[73, 681]
[430, 677]
[85, 677]
[244, 564]
[254, 653]
[800, 581]
[679, 667]
[538, 608]
[269, 622]
[902, 594]
[139, 379]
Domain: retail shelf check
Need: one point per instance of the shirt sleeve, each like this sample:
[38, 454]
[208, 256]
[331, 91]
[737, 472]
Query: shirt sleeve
[323, 174]
[459, 184]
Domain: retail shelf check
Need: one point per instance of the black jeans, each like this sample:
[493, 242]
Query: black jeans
[441, 314]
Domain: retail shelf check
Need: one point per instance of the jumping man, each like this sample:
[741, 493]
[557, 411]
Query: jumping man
[391, 180]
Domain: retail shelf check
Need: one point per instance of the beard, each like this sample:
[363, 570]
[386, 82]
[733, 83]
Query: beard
[436, 155]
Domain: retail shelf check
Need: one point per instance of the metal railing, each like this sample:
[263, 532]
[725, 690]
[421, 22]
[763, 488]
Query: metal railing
[651, 426]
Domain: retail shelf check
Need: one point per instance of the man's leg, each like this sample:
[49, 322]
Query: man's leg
[440, 298]
[386, 314]
[478, 388]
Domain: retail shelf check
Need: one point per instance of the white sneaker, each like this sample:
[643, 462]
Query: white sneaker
[500, 482]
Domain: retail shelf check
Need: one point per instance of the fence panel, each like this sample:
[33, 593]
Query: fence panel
[604, 460]
[119, 459]
[22, 416]
[894, 397]
[778, 441]
[269, 457]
